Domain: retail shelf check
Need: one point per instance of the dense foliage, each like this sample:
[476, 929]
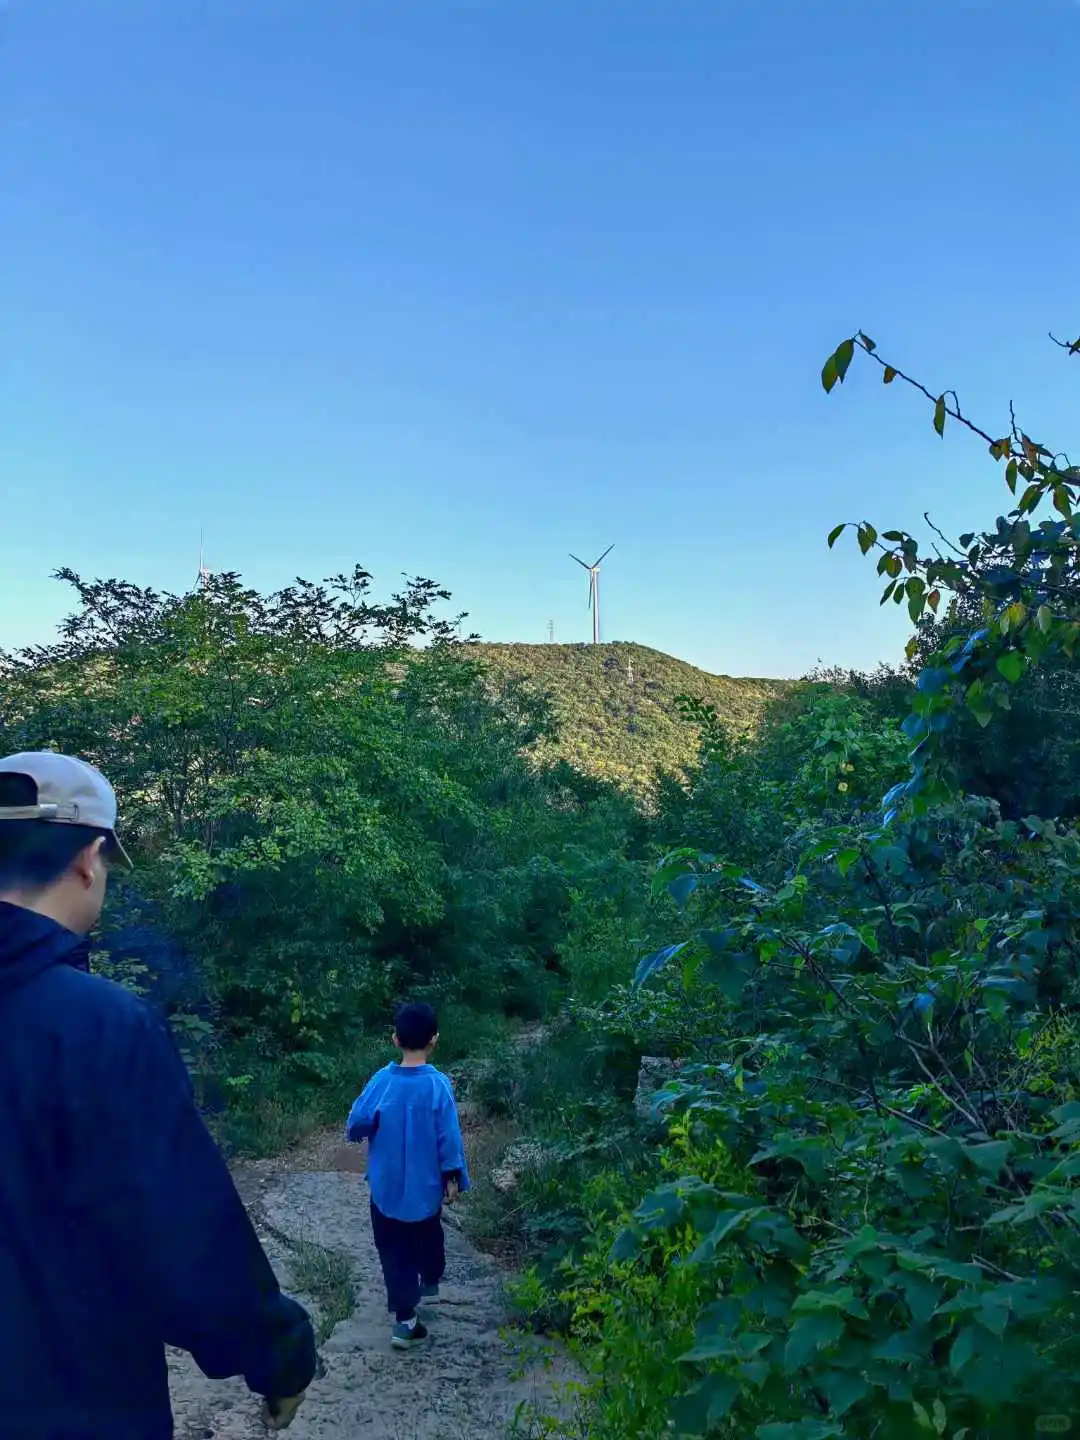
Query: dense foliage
[325, 816]
[862, 1217]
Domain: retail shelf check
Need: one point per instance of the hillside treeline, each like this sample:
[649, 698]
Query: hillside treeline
[329, 809]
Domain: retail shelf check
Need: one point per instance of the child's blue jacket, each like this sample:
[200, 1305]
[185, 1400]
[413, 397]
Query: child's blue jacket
[408, 1117]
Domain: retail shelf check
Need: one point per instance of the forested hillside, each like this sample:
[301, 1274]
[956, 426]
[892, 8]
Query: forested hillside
[615, 706]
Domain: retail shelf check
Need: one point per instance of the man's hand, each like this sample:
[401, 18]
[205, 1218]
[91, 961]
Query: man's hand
[453, 1190]
[279, 1414]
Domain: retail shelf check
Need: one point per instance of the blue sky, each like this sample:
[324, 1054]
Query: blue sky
[456, 288]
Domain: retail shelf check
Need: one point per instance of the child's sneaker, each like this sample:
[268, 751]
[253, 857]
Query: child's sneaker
[430, 1292]
[407, 1335]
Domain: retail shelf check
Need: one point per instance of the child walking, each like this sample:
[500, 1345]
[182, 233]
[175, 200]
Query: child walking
[416, 1160]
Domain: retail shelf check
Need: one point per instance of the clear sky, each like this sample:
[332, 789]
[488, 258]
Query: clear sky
[454, 287]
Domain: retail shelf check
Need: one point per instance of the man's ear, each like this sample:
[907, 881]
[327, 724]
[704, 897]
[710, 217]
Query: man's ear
[434, 1041]
[89, 861]
[394, 1038]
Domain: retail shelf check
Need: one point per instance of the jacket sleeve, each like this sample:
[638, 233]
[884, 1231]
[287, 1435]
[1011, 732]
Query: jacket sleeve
[448, 1132]
[363, 1121]
[149, 1178]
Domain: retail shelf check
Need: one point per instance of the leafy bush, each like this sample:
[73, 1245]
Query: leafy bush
[865, 1220]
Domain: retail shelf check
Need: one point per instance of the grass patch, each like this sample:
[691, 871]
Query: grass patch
[326, 1277]
[323, 1276]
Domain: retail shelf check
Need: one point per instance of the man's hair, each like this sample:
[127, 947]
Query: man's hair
[415, 1025]
[34, 853]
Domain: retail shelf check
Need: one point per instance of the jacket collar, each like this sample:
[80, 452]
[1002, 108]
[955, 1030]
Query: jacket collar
[31, 943]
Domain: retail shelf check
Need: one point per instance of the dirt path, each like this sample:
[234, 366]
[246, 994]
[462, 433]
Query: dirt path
[467, 1382]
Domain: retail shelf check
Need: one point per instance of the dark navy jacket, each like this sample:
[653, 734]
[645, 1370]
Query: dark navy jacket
[121, 1231]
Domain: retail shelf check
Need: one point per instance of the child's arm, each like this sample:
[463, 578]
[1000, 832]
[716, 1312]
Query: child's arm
[363, 1119]
[452, 1164]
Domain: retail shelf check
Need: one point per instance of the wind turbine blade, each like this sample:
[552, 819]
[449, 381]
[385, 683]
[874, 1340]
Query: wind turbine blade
[604, 556]
[580, 562]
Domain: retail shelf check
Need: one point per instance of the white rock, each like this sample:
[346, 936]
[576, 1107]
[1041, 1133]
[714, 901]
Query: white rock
[654, 1073]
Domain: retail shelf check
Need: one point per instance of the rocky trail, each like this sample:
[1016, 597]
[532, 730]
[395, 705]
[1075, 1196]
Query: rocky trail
[468, 1381]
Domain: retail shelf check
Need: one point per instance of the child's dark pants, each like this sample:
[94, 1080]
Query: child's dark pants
[412, 1254]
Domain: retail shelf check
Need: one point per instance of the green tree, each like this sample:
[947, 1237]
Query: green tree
[328, 805]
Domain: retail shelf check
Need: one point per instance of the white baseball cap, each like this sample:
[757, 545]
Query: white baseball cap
[65, 791]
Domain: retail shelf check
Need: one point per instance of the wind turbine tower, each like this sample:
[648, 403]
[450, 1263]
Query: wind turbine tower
[593, 571]
[204, 573]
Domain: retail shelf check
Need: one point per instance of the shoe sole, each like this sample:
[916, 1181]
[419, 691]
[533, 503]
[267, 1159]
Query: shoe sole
[404, 1345]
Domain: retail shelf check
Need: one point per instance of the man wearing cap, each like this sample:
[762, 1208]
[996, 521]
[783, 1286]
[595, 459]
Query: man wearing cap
[121, 1231]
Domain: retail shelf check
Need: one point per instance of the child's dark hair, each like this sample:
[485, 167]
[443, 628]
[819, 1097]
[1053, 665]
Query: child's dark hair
[415, 1025]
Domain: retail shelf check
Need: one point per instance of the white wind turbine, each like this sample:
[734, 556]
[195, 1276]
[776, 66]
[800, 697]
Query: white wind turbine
[204, 573]
[594, 590]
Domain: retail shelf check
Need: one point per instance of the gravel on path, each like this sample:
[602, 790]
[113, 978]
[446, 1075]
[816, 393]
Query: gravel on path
[470, 1380]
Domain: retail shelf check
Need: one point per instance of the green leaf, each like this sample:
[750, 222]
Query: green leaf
[835, 534]
[682, 887]
[843, 357]
[1011, 665]
[729, 971]
[1030, 498]
[964, 1349]
[706, 1406]
[939, 415]
[867, 537]
[829, 376]
[889, 375]
[993, 1314]
[990, 1157]
[846, 859]
[626, 1246]
[656, 961]
[746, 1345]
[808, 1335]
[843, 1389]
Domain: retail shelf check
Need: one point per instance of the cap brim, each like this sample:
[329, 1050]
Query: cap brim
[116, 854]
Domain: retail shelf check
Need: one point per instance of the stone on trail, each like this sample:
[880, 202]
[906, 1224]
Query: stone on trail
[517, 1159]
[654, 1073]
